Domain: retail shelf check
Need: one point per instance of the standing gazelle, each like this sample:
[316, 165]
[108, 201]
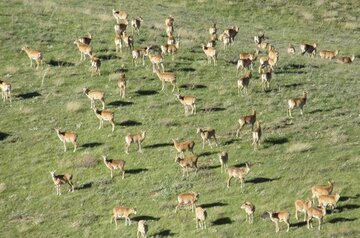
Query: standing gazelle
[241, 173]
[115, 164]
[206, 135]
[95, 95]
[210, 53]
[223, 158]
[134, 138]
[187, 101]
[61, 180]
[250, 119]
[257, 135]
[249, 209]
[67, 137]
[33, 55]
[297, 102]
[105, 116]
[5, 90]
[281, 216]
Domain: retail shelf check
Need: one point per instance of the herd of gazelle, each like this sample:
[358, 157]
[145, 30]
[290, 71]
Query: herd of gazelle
[245, 62]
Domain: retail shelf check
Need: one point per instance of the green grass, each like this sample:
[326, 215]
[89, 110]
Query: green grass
[295, 154]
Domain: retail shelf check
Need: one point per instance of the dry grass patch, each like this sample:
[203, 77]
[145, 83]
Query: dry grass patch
[87, 161]
[73, 106]
[352, 25]
[299, 148]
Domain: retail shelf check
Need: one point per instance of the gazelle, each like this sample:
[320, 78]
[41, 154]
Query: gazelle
[200, 216]
[5, 91]
[213, 30]
[210, 53]
[95, 65]
[250, 119]
[257, 133]
[265, 79]
[121, 83]
[123, 212]
[259, 38]
[33, 55]
[244, 64]
[105, 116]
[318, 190]
[232, 32]
[137, 54]
[136, 24]
[167, 77]
[187, 198]
[291, 49]
[281, 216]
[119, 15]
[346, 59]
[223, 158]
[95, 95]
[302, 206]
[170, 49]
[84, 49]
[128, 40]
[86, 39]
[187, 101]
[181, 147]
[114, 164]
[118, 42]
[249, 209]
[241, 173]
[156, 60]
[67, 137]
[206, 135]
[309, 49]
[328, 200]
[297, 102]
[134, 138]
[328, 54]
[186, 163]
[243, 83]
[142, 229]
[317, 213]
[62, 179]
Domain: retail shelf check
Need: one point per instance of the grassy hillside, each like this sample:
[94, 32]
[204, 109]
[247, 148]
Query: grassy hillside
[295, 153]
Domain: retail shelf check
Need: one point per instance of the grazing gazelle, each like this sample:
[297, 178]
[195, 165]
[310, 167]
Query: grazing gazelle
[114, 164]
[62, 179]
[67, 137]
[187, 199]
[250, 119]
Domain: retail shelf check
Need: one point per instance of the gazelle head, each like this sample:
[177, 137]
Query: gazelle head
[52, 173]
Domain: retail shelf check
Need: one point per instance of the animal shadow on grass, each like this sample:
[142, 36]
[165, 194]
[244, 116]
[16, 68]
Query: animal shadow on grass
[212, 109]
[3, 136]
[209, 167]
[60, 63]
[193, 86]
[341, 219]
[120, 103]
[207, 154]
[262, 180]
[146, 92]
[29, 95]
[292, 85]
[221, 221]
[107, 57]
[121, 70]
[276, 140]
[84, 186]
[158, 145]
[135, 171]
[347, 207]
[346, 198]
[164, 233]
[214, 204]
[187, 69]
[298, 224]
[146, 218]
[91, 145]
[231, 141]
[130, 123]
